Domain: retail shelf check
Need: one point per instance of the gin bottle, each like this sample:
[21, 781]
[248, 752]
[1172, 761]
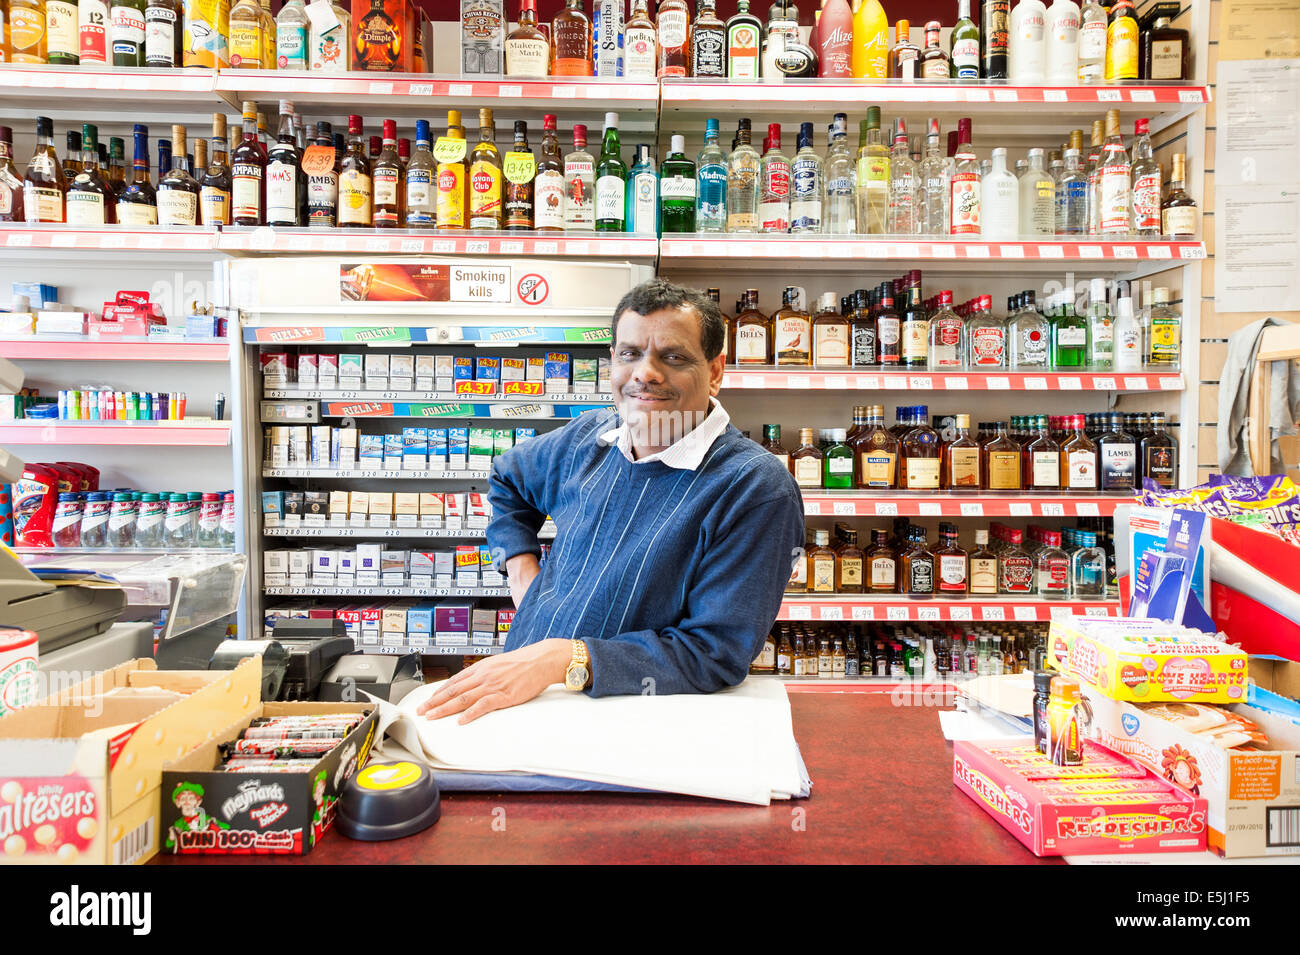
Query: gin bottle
[711, 183]
[743, 170]
[838, 211]
[1101, 330]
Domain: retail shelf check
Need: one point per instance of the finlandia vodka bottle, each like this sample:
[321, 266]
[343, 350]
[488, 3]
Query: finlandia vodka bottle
[904, 187]
[711, 183]
[933, 176]
[838, 211]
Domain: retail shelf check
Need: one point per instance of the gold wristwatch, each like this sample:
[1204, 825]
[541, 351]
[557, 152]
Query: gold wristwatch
[577, 676]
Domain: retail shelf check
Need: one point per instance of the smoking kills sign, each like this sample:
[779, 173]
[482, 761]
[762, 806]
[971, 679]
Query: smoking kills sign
[533, 289]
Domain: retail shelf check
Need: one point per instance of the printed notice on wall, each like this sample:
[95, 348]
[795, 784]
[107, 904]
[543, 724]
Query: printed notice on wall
[1258, 112]
[1258, 253]
[1259, 29]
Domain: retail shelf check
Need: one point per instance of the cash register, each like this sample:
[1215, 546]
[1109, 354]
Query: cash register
[63, 609]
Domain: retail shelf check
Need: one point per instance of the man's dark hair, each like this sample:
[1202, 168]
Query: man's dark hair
[659, 294]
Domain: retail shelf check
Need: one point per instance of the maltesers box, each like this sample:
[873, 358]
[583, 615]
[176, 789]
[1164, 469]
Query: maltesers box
[1253, 796]
[558, 373]
[86, 764]
[1106, 806]
[385, 30]
[251, 813]
[1133, 659]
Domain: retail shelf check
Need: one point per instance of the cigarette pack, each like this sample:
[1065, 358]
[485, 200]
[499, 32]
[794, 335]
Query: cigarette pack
[344, 453]
[421, 568]
[558, 373]
[347, 567]
[299, 446]
[275, 369]
[444, 568]
[351, 368]
[307, 366]
[602, 376]
[419, 620]
[275, 568]
[272, 508]
[376, 368]
[535, 369]
[503, 439]
[300, 567]
[584, 376]
[393, 452]
[514, 369]
[324, 565]
[478, 512]
[406, 508]
[437, 441]
[372, 450]
[371, 616]
[338, 506]
[327, 369]
[483, 627]
[358, 504]
[489, 576]
[457, 449]
[488, 370]
[480, 449]
[444, 377]
[392, 564]
[381, 505]
[424, 372]
[430, 509]
[451, 624]
[453, 503]
[292, 508]
[415, 449]
[315, 506]
[401, 372]
[351, 618]
[462, 369]
[504, 619]
[368, 563]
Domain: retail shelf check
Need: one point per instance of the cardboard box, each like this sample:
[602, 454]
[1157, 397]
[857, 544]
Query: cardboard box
[453, 503]
[451, 623]
[393, 32]
[488, 370]
[1253, 796]
[1127, 659]
[372, 451]
[359, 504]
[351, 370]
[275, 369]
[514, 369]
[381, 505]
[250, 813]
[393, 452]
[275, 568]
[207, 33]
[1275, 686]
[70, 797]
[344, 452]
[401, 372]
[338, 505]
[300, 567]
[535, 369]
[483, 627]
[272, 508]
[307, 368]
[430, 509]
[1075, 810]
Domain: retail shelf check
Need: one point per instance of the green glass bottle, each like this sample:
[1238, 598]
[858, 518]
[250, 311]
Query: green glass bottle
[611, 181]
[838, 463]
[677, 189]
[964, 45]
[1069, 334]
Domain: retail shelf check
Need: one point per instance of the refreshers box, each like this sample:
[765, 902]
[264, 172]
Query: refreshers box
[1139, 660]
[1253, 794]
[1105, 806]
[206, 811]
[80, 771]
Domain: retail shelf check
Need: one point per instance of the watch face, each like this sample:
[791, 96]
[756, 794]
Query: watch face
[576, 678]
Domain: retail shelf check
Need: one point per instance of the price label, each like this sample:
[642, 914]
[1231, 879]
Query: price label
[1069, 383]
[1191, 252]
[478, 246]
[1087, 509]
[992, 613]
[1142, 96]
[504, 91]
[1126, 252]
[372, 474]
[921, 383]
[1061, 613]
[1109, 96]
[895, 382]
[977, 251]
[929, 509]
[19, 239]
[1158, 252]
[886, 509]
[420, 89]
[864, 613]
[1051, 252]
[943, 250]
[955, 383]
[512, 248]
[1104, 384]
[1171, 384]
[800, 612]
[381, 89]
[519, 168]
[1020, 509]
[845, 509]
[442, 245]
[977, 96]
[1035, 384]
[867, 383]
[393, 532]
[812, 508]
[749, 381]
[830, 613]
[1026, 613]
[318, 160]
[972, 509]
[560, 91]
[412, 245]
[927, 613]
[376, 245]
[798, 383]
[1089, 251]
[460, 89]
[896, 613]
[112, 241]
[1190, 96]
[1053, 509]
[1005, 96]
[1096, 611]
[1013, 251]
[1054, 96]
[1135, 384]
[835, 382]
[446, 149]
[960, 613]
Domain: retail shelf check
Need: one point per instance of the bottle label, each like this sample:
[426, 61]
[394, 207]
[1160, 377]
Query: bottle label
[921, 578]
[26, 28]
[877, 468]
[922, 473]
[85, 208]
[519, 168]
[952, 573]
[1065, 28]
[751, 344]
[792, 342]
[291, 46]
[92, 30]
[1103, 339]
[831, 345]
[708, 53]
[176, 207]
[1081, 469]
[889, 332]
[61, 31]
[246, 189]
[1146, 202]
[1017, 575]
[160, 37]
[712, 181]
[1179, 220]
[965, 467]
[966, 58]
[1122, 49]
[742, 51]
[484, 195]
[988, 346]
[386, 185]
[1053, 576]
[527, 56]
[136, 213]
[610, 198]
[916, 347]
[1165, 341]
[1071, 336]
[1166, 60]
[95, 517]
[328, 50]
[1033, 346]
[1046, 469]
[548, 200]
[128, 29]
[419, 194]
[935, 69]
[907, 60]
[805, 174]
[1092, 41]
[322, 200]
[965, 208]
[281, 192]
[1160, 464]
[864, 345]
[882, 573]
[839, 465]
[945, 344]
[639, 53]
[451, 196]
[245, 44]
[645, 208]
[1117, 466]
[677, 187]
[672, 29]
[983, 575]
[354, 198]
[1114, 199]
[579, 203]
[1004, 471]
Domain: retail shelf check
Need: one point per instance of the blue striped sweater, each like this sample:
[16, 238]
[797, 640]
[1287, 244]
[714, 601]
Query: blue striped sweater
[672, 577]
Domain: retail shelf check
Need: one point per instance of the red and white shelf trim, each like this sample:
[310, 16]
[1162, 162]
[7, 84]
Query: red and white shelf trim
[973, 504]
[267, 239]
[955, 250]
[362, 85]
[138, 433]
[774, 379]
[112, 349]
[886, 609]
[109, 238]
[845, 92]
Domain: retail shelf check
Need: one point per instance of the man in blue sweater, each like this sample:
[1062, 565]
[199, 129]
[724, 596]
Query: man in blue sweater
[675, 532]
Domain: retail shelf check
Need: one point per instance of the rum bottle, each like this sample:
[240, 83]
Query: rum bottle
[520, 170]
[44, 186]
[1117, 451]
[355, 184]
[889, 331]
[453, 175]
[1178, 211]
[1158, 451]
[485, 179]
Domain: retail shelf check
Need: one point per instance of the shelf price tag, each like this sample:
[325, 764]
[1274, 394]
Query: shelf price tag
[960, 613]
[519, 168]
[1035, 384]
[798, 382]
[977, 251]
[896, 613]
[1026, 613]
[1096, 611]
[420, 89]
[1090, 252]
[1171, 384]
[895, 382]
[1069, 383]
[1005, 96]
[19, 239]
[997, 383]
[1054, 96]
[835, 382]
[1061, 613]
[923, 383]
[1013, 252]
[512, 248]
[800, 612]
[886, 509]
[412, 245]
[1020, 509]
[972, 509]
[929, 509]
[1190, 96]
[867, 383]
[1135, 384]
[845, 509]
[1126, 252]
[443, 246]
[1051, 252]
[992, 613]
[1053, 509]
[1109, 96]
[830, 613]
[1142, 96]
[812, 508]
[478, 246]
[864, 613]
[1087, 509]
[1103, 384]
[1158, 252]
[955, 383]
[1191, 252]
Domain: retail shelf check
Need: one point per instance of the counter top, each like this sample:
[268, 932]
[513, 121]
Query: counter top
[882, 793]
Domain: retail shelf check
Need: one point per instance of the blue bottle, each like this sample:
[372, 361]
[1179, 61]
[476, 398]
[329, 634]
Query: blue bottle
[711, 179]
[642, 192]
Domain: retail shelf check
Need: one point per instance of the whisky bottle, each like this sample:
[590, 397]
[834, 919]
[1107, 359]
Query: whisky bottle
[961, 459]
[72, 157]
[11, 187]
[579, 184]
[838, 463]
[951, 563]
[286, 189]
[378, 41]
[452, 177]
[1178, 211]
[806, 461]
[983, 567]
[1078, 458]
[355, 189]
[116, 170]
[881, 564]
[753, 333]
[214, 179]
[772, 442]
[920, 450]
[90, 199]
[571, 41]
[138, 204]
[527, 49]
[785, 654]
[247, 173]
[863, 331]
[917, 567]
[178, 191]
[519, 170]
[44, 185]
[821, 564]
[889, 329]
[765, 662]
[825, 660]
[793, 330]
[708, 42]
[849, 566]
[672, 24]
[830, 331]
[482, 37]
[1042, 460]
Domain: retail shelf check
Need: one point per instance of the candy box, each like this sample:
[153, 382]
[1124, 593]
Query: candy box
[1147, 661]
[80, 771]
[207, 811]
[1252, 794]
[1106, 806]
[1275, 686]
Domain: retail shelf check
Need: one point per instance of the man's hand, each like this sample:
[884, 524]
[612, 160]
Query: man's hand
[497, 682]
[520, 571]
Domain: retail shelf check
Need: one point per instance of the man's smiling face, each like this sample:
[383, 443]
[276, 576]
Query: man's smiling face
[662, 382]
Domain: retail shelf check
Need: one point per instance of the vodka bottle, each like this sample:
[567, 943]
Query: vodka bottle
[999, 200]
[743, 170]
[873, 176]
[838, 212]
[1037, 198]
[1092, 42]
[964, 206]
[1116, 183]
[774, 202]
[807, 189]
[904, 187]
[1028, 337]
[1072, 196]
[935, 185]
[1146, 183]
[1063, 43]
[1028, 44]
[711, 183]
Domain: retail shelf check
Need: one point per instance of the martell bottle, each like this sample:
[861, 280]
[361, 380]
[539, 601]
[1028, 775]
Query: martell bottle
[248, 174]
[214, 181]
[961, 459]
[355, 189]
[90, 199]
[138, 204]
[876, 452]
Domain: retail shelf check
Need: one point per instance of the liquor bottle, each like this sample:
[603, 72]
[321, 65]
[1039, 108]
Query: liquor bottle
[1101, 331]
[1115, 180]
[138, 204]
[830, 335]
[246, 37]
[904, 187]
[485, 179]
[782, 33]
[708, 42]
[93, 22]
[1128, 334]
[286, 190]
[870, 41]
[571, 41]
[1121, 43]
[1001, 459]
[452, 175]
[806, 461]
[642, 213]
[329, 41]
[1078, 458]
[754, 334]
[1063, 43]
[821, 564]
[774, 202]
[519, 171]
[126, 32]
[772, 443]
[1015, 567]
[711, 183]
[1028, 337]
[386, 178]
[549, 184]
[849, 565]
[838, 206]
[640, 44]
[1087, 567]
[964, 201]
[214, 180]
[792, 328]
[1071, 214]
[986, 337]
[881, 564]
[607, 38]
[579, 184]
[1092, 42]
[995, 26]
[1052, 568]
[527, 49]
[11, 186]
[1037, 198]
[916, 570]
[934, 64]
[837, 463]
[960, 460]
[61, 44]
[952, 563]
[914, 331]
[1028, 44]
[862, 332]
[947, 337]
[1042, 459]
[905, 56]
[833, 40]
[1146, 183]
[964, 44]
[1164, 49]
[72, 157]
[744, 169]
[999, 200]
[355, 187]
[178, 191]
[888, 340]
[672, 26]
[676, 185]
[291, 36]
[116, 170]
[920, 450]
[744, 35]
[27, 32]
[420, 177]
[876, 451]
[785, 655]
[1178, 211]
[323, 179]
[1117, 451]
[982, 566]
[1158, 450]
[248, 173]
[90, 199]
[268, 37]
[1093, 167]
[873, 174]
[806, 192]
[610, 180]
[1162, 332]
[1069, 334]
[935, 187]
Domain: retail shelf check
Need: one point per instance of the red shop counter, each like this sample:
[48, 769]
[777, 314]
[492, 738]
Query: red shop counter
[882, 793]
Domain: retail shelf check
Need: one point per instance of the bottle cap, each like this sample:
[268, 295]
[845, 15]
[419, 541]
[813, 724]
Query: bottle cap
[1141, 127]
[355, 125]
[711, 127]
[945, 297]
[611, 120]
[390, 129]
[548, 121]
[579, 135]
[421, 130]
[963, 421]
[679, 144]
[933, 26]
[485, 117]
[1160, 296]
[839, 434]
[873, 117]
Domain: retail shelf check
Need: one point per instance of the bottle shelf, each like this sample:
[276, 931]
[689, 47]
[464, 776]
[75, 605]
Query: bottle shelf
[847, 253]
[375, 533]
[77, 348]
[102, 89]
[161, 241]
[405, 590]
[775, 379]
[215, 434]
[364, 473]
[267, 239]
[959, 504]
[885, 608]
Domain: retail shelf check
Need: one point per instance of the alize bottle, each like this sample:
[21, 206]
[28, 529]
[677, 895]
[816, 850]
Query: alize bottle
[833, 40]
[870, 41]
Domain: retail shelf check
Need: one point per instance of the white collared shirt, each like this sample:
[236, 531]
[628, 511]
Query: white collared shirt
[685, 454]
